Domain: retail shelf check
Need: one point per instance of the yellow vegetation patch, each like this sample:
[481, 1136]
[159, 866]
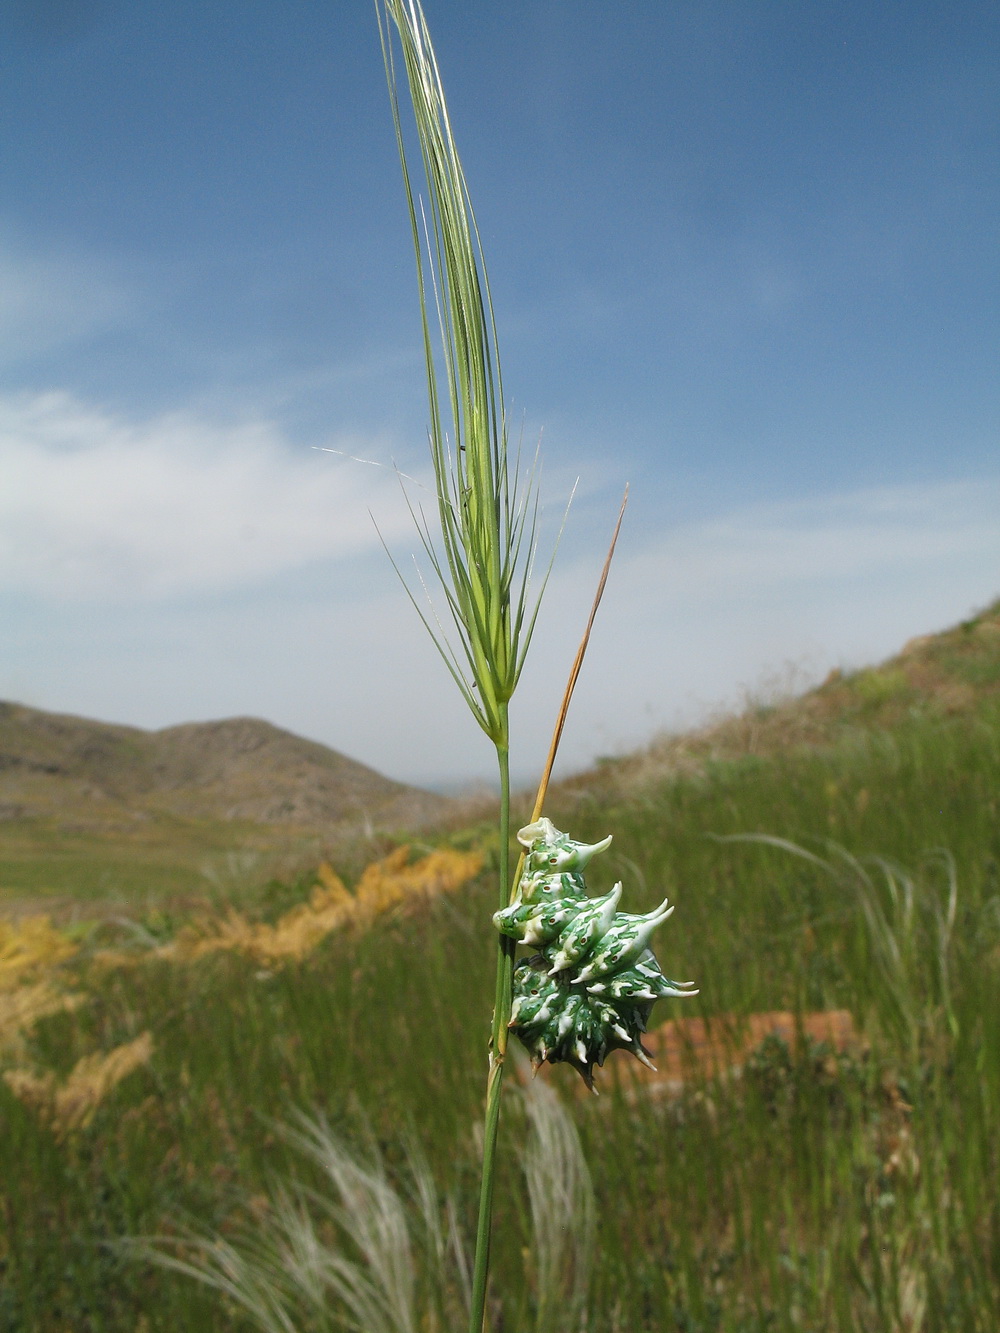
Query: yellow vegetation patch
[28, 945]
[383, 885]
[20, 1009]
[26, 948]
[71, 1105]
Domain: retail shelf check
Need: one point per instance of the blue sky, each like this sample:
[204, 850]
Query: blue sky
[743, 257]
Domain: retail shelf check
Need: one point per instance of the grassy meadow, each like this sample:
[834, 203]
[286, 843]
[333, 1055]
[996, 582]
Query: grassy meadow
[163, 859]
[149, 1064]
[98, 815]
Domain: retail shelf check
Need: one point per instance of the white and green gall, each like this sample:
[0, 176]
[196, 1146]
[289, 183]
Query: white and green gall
[592, 986]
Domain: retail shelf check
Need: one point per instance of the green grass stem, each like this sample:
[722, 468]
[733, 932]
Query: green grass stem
[487, 515]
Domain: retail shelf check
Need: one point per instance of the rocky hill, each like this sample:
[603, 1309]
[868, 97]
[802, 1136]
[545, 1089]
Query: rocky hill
[97, 775]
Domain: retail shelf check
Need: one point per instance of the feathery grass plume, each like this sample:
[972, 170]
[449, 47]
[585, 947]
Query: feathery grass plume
[909, 923]
[359, 1253]
[23, 1007]
[31, 952]
[367, 1252]
[28, 946]
[563, 1213]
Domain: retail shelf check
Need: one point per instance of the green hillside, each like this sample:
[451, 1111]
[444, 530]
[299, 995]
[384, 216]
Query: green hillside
[115, 815]
[954, 675]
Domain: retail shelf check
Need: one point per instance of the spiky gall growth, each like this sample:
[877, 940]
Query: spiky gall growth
[591, 988]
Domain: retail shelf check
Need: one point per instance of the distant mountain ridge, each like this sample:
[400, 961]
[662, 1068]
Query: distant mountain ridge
[242, 768]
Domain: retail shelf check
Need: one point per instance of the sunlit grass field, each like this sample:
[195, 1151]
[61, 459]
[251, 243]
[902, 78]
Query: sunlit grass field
[152, 862]
[822, 1189]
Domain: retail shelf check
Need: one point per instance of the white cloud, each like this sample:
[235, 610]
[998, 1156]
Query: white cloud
[690, 617]
[703, 613]
[844, 536]
[94, 506]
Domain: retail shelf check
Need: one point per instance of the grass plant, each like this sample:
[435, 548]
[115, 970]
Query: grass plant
[486, 509]
[380, 1251]
[563, 1214]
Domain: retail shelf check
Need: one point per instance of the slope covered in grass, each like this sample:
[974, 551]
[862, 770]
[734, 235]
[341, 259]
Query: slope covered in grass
[824, 1189]
[954, 674]
[94, 811]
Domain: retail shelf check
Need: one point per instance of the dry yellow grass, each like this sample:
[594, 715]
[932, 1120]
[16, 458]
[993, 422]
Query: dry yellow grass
[29, 945]
[22, 1008]
[28, 948]
[384, 885]
[70, 1105]
[31, 951]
